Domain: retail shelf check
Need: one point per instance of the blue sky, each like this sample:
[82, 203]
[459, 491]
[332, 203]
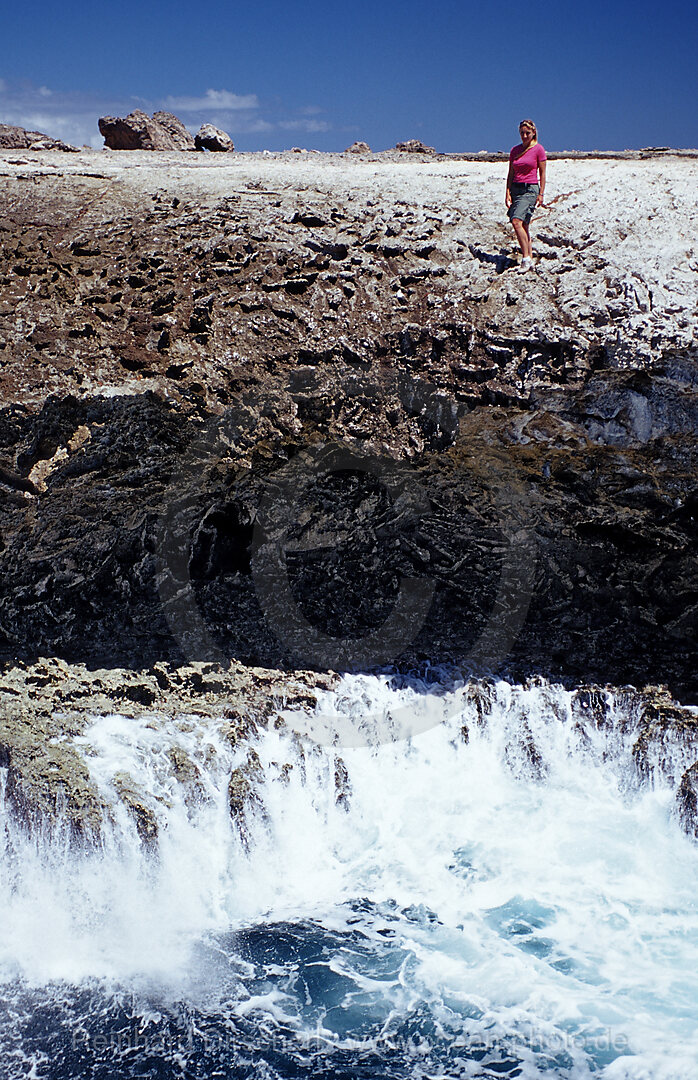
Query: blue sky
[458, 75]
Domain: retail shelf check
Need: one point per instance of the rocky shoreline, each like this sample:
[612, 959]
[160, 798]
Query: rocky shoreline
[258, 410]
[46, 710]
[45, 707]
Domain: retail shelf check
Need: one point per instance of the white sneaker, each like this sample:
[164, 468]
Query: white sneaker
[526, 263]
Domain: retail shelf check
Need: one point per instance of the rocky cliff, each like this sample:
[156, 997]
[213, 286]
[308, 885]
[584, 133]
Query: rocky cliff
[304, 411]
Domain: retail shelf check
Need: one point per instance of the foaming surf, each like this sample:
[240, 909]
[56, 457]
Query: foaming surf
[481, 880]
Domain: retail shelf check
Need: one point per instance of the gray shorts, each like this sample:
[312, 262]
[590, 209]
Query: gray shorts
[523, 201]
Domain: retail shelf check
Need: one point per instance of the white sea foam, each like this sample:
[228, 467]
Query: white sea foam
[531, 890]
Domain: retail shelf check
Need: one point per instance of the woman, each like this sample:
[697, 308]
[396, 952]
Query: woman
[525, 186]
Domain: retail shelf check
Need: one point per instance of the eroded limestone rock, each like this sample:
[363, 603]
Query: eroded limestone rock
[47, 778]
[18, 138]
[243, 796]
[138, 131]
[414, 146]
[204, 333]
[137, 804]
[687, 801]
[212, 138]
[668, 736]
[46, 708]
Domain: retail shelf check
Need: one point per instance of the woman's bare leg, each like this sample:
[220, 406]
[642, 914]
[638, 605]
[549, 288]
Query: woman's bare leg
[528, 237]
[522, 235]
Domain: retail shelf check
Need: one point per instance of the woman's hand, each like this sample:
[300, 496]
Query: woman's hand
[539, 200]
[507, 198]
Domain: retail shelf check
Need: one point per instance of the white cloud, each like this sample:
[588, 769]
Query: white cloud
[310, 126]
[255, 127]
[213, 99]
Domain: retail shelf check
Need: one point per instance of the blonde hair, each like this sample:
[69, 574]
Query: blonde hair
[529, 123]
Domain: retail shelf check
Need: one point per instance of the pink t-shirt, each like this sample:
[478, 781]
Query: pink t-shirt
[525, 168]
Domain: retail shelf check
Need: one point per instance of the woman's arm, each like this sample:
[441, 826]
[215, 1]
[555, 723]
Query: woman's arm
[507, 196]
[541, 173]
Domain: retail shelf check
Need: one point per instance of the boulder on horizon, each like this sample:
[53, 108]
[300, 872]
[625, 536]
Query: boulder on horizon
[138, 131]
[18, 138]
[414, 146]
[358, 148]
[183, 139]
[212, 138]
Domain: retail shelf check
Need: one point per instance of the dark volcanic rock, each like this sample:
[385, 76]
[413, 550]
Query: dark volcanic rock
[212, 138]
[138, 131]
[17, 138]
[150, 541]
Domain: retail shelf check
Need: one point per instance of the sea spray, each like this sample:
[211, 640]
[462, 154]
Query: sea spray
[507, 888]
